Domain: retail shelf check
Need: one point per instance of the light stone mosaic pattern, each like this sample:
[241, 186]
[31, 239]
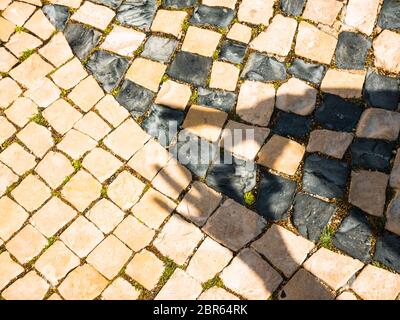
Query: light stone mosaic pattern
[95, 205]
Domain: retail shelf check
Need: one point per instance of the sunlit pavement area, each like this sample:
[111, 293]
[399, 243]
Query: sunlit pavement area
[95, 202]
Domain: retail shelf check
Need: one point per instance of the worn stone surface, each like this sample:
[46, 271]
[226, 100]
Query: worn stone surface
[190, 68]
[381, 91]
[292, 125]
[258, 279]
[387, 56]
[331, 143]
[338, 114]
[351, 51]
[134, 98]
[159, 48]
[311, 215]
[293, 7]
[389, 15]
[57, 15]
[81, 39]
[212, 16]
[304, 286]
[275, 196]
[222, 100]
[232, 52]
[361, 15]
[371, 154]
[260, 67]
[234, 225]
[137, 13]
[307, 71]
[388, 250]
[233, 178]
[284, 249]
[368, 191]
[379, 124]
[393, 215]
[296, 96]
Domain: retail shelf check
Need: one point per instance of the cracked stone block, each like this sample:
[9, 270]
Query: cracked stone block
[388, 250]
[137, 13]
[260, 67]
[275, 196]
[135, 98]
[354, 235]
[311, 215]
[371, 154]
[190, 68]
[222, 100]
[292, 125]
[232, 52]
[81, 39]
[193, 152]
[162, 123]
[351, 51]
[178, 4]
[335, 113]
[381, 91]
[213, 16]
[233, 177]
[107, 68]
[325, 177]
[389, 17]
[307, 71]
[159, 48]
[57, 15]
[293, 7]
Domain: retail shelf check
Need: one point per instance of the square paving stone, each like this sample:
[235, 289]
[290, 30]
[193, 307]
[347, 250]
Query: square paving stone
[275, 196]
[325, 177]
[240, 32]
[201, 41]
[81, 39]
[352, 50]
[233, 177]
[381, 91]
[234, 225]
[169, 21]
[135, 98]
[232, 51]
[177, 4]
[146, 73]
[307, 71]
[190, 68]
[107, 68]
[159, 48]
[335, 113]
[212, 16]
[163, 124]
[281, 154]
[260, 67]
[193, 152]
[371, 154]
[331, 143]
[311, 215]
[137, 13]
[354, 236]
[293, 7]
[205, 122]
[222, 100]
[368, 191]
[388, 250]
[389, 17]
[57, 15]
[292, 125]
[224, 76]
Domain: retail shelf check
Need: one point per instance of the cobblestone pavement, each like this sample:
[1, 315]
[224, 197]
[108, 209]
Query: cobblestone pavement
[94, 204]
